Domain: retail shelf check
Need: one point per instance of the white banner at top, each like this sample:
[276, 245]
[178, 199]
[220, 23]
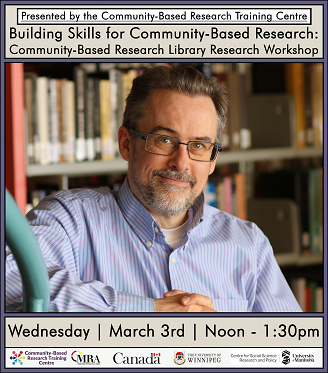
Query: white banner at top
[146, 15]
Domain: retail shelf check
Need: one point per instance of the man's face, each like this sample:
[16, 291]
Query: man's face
[170, 184]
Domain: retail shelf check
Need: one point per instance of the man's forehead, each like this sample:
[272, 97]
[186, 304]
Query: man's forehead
[175, 132]
[173, 110]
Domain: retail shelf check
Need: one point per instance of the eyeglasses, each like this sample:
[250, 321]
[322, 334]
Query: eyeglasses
[202, 151]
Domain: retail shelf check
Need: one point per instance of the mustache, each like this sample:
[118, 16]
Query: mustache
[175, 175]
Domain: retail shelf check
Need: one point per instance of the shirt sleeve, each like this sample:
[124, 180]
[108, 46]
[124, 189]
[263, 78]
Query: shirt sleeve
[56, 225]
[273, 293]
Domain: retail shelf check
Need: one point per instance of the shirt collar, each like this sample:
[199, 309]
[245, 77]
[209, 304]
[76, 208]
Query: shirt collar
[140, 219]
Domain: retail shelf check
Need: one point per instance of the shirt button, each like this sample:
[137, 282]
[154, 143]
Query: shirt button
[149, 243]
[173, 260]
[156, 230]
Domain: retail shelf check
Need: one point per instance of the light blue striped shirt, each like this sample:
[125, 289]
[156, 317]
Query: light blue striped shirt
[106, 253]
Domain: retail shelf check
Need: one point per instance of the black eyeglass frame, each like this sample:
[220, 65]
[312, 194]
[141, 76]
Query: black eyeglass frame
[216, 147]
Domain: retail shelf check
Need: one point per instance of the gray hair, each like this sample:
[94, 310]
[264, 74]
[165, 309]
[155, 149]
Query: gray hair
[186, 80]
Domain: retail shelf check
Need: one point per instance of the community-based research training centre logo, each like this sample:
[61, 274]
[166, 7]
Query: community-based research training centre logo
[17, 358]
[86, 359]
[179, 358]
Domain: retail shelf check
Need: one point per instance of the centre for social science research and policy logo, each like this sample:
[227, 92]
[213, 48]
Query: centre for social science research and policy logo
[86, 359]
[179, 357]
[17, 358]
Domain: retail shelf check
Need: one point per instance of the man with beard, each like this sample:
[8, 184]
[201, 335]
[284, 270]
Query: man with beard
[154, 245]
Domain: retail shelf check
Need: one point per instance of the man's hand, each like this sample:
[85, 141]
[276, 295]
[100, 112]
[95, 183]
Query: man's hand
[180, 301]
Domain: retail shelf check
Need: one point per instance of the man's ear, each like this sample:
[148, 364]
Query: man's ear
[124, 142]
[212, 167]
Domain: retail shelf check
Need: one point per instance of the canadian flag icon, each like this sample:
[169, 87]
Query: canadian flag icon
[157, 354]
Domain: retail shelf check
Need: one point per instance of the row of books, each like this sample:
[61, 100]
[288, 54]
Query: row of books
[272, 105]
[73, 121]
[287, 203]
[40, 191]
[228, 194]
[309, 294]
[77, 120]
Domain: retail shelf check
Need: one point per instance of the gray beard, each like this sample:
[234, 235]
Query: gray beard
[158, 194]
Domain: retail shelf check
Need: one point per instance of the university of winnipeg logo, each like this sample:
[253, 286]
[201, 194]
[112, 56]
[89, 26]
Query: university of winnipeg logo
[17, 358]
[81, 359]
[179, 358]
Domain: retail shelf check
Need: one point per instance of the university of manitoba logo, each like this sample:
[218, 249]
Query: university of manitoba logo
[285, 357]
[81, 359]
[17, 358]
[179, 358]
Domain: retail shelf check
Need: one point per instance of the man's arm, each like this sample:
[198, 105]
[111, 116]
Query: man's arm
[69, 294]
[273, 293]
[57, 227]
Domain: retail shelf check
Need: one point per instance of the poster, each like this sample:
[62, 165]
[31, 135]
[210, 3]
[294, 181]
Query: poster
[130, 35]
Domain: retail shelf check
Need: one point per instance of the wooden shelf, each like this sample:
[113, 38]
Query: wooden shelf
[119, 165]
[285, 260]
[267, 154]
[78, 168]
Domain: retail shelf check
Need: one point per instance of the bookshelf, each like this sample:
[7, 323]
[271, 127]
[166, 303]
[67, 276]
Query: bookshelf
[19, 170]
[119, 165]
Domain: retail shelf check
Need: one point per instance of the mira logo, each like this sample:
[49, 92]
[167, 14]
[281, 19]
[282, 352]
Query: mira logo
[17, 358]
[86, 359]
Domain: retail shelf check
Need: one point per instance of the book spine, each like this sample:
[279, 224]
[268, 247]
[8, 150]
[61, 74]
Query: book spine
[301, 195]
[80, 92]
[36, 132]
[241, 196]
[90, 104]
[298, 286]
[313, 291]
[62, 118]
[314, 210]
[210, 194]
[228, 194]
[28, 104]
[119, 98]
[295, 86]
[233, 197]
[221, 76]
[96, 118]
[70, 135]
[113, 76]
[221, 196]
[308, 299]
[105, 119]
[43, 118]
[309, 133]
[319, 299]
[245, 132]
[235, 112]
[317, 102]
[52, 117]
[58, 122]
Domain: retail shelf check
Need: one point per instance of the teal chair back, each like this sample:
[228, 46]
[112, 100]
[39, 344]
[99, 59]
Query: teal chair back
[24, 246]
